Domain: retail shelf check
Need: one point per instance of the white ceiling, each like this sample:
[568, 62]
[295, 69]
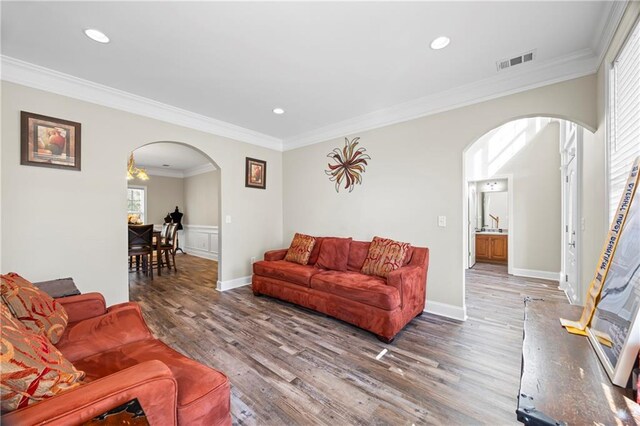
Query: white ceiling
[323, 62]
[179, 157]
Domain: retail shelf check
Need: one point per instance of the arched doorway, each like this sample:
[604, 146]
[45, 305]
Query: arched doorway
[173, 182]
[536, 161]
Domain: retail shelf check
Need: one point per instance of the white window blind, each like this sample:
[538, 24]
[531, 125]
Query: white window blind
[624, 116]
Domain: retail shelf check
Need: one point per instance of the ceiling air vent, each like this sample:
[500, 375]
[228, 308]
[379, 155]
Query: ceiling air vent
[517, 60]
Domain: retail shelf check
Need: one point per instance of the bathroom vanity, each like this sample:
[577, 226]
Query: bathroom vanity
[492, 247]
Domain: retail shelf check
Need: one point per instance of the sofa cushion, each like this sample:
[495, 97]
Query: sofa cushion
[122, 324]
[366, 289]
[334, 254]
[384, 256]
[33, 307]
[300, 249]
[201, 390]
[357, 254]
[316, 251]
[32, 368]
[285, 271]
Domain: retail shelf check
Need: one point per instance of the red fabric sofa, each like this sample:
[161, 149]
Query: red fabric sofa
[382, 306]
[123, 361]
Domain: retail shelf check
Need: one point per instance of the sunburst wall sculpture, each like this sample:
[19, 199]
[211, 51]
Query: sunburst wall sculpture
[348, 165]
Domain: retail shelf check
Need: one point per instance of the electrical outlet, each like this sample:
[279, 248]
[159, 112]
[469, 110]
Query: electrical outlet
[442, 221]
[253, 260]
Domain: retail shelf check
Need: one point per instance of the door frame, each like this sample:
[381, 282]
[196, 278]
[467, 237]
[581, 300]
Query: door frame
[471, 234]
[575, 295]
[512, 221]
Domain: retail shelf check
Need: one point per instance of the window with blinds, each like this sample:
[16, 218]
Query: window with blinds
[624, 116]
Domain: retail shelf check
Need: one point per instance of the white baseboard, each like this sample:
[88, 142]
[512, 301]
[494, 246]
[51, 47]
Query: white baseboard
[445, 310]
[532, 273]
[235, 283]
[192, 251]
[571, 295]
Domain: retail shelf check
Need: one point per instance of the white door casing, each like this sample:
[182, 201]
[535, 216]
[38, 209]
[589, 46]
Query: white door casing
[473, 223]
[571, 153]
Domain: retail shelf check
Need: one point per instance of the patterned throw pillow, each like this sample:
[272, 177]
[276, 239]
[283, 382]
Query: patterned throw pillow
[32, 368]
[384, 256]
[300, 249]
[33, 307]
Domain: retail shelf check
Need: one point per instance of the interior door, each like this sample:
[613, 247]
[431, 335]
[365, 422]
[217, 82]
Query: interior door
[473, 223]
[571, 227]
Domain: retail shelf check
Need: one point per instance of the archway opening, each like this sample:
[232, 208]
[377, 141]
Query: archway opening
[522, 202]
[173, 189]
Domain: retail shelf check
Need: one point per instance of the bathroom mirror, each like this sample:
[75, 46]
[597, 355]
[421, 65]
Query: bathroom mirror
[493, 210]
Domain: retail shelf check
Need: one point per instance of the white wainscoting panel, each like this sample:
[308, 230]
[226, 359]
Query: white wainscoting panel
[201, 241]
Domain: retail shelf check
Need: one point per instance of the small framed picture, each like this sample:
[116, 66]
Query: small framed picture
[49, 142]
[255, 173]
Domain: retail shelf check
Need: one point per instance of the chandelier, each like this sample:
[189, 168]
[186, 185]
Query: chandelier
[133, 172]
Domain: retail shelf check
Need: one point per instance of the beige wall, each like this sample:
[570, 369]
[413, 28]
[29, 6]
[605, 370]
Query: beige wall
[58, 223]
[201, 199]
[537, 203]
[415, 175]
[163, 195]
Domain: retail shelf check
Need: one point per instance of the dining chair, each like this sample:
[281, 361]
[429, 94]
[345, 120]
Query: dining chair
[165, 232]
[168, 246]
[141, 245]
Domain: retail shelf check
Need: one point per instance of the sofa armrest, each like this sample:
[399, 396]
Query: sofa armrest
[122, 305]
[275, 254]
[408, 281]
[83, 306]
[151, 382]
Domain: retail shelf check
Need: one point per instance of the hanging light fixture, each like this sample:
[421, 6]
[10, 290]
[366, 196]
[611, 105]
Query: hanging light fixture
[133, 172]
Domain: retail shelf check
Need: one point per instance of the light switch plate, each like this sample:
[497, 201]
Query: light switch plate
[227, 219]
[442, 221]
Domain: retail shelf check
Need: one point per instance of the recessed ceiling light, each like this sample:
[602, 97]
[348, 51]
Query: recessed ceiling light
[166, 165]
[278, 111]
[96, 35]
[440, 43]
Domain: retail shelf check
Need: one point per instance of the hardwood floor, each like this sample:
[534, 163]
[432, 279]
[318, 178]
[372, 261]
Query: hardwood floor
[290, 365]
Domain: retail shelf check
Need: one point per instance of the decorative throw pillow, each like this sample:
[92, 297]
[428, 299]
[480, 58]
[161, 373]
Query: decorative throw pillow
[33, 307]
[32, 368]
[334, 254]
[384, 256]
[300, 249]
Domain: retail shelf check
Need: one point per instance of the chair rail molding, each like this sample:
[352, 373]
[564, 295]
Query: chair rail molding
[201, 241]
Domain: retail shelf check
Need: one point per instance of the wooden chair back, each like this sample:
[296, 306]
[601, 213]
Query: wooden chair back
[140, 236]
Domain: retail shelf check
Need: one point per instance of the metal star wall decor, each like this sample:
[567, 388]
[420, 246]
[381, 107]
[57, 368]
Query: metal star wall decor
[348, 165]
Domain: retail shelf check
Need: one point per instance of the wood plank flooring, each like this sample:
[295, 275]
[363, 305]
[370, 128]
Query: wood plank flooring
[289, 365]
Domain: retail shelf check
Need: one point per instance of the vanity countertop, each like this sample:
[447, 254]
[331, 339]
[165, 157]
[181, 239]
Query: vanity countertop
[505, 232]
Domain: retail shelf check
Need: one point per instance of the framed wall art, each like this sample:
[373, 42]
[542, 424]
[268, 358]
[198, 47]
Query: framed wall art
[255, 173]
[49, 142]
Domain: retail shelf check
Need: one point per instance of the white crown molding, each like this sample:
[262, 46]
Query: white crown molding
[31, 75]
[155, 171]
[198, 170]
[505, 83]
[193, 171]
[609, 26]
